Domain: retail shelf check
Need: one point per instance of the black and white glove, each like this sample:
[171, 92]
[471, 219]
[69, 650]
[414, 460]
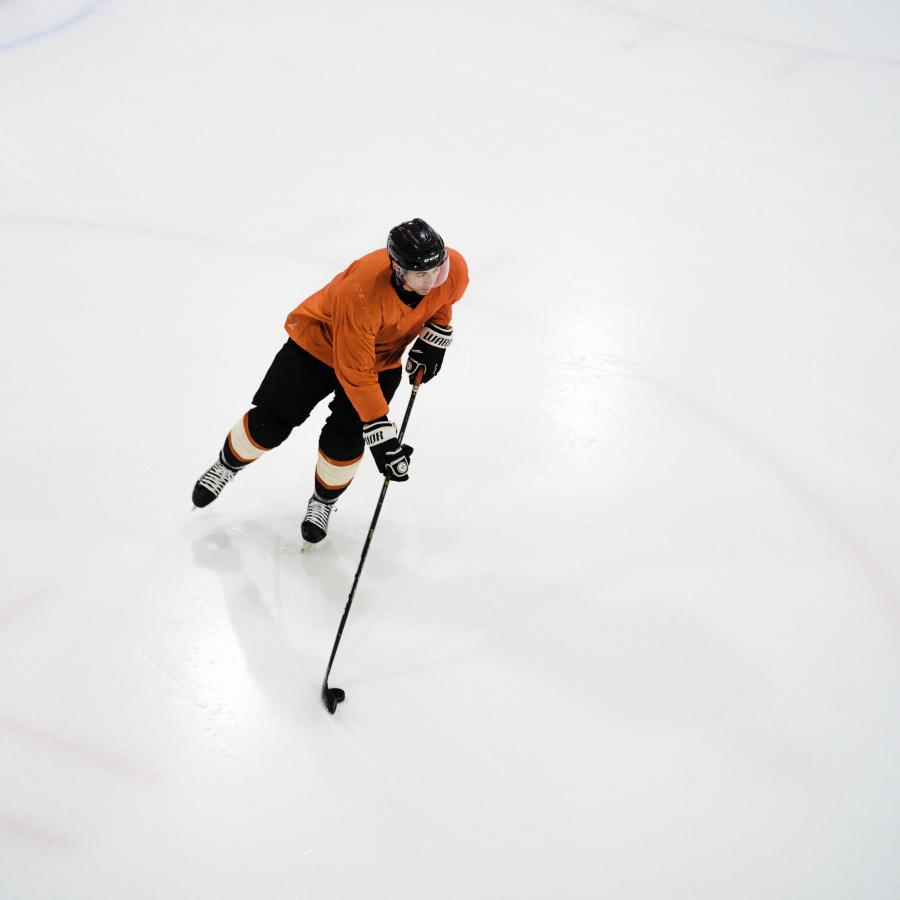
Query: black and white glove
[391, 457]
[428, 351]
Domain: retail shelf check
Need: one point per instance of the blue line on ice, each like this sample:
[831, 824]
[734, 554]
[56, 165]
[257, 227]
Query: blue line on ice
[73, 19]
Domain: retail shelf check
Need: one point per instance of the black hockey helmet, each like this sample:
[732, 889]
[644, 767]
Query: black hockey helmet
[416, 246]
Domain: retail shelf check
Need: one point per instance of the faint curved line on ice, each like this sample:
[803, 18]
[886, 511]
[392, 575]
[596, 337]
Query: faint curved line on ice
[35, 833]
[823, 457]
[875, 573]
[662, 22]
[725, 143]
[647, 127]
[50, 30]
[148, 232]
[873, 570]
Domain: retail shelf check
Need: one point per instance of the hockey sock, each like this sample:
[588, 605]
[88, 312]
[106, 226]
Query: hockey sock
[240, 448]
[333, 476]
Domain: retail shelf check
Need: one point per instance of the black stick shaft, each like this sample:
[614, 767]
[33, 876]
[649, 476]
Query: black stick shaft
[365, 550]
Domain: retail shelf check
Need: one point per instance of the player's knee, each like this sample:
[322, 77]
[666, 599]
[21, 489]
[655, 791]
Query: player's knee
[266, 428]
[342, 443]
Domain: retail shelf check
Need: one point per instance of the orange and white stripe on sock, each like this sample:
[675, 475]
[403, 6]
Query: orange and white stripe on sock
[335, 474]
[242, 444]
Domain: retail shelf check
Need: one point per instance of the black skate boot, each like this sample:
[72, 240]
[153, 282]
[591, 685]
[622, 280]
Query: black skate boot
[211, 483]
[315, 522]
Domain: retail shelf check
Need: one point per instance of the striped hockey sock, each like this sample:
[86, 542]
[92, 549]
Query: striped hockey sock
[333, 476]
[240, 449]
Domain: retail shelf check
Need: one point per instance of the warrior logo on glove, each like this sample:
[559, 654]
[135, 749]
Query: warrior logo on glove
[428, 351]
[391, 457]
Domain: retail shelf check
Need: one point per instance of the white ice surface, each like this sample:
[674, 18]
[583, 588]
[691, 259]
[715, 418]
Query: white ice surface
[632, 630]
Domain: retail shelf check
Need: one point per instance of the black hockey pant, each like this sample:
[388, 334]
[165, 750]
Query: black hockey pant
[294, 385]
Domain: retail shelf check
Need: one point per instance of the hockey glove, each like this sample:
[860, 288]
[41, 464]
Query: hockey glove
[428, 351]
[391, 457]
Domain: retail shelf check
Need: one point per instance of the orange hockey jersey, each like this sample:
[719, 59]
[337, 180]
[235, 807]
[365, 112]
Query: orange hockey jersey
[359, 326]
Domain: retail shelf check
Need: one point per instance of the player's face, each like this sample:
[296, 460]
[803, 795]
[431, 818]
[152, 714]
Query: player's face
[423, 282]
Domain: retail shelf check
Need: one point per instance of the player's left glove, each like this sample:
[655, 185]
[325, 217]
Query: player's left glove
[428, 351]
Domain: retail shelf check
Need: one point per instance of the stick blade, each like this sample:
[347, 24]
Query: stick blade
[331, 697]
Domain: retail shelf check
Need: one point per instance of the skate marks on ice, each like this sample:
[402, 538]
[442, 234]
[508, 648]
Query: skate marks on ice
[292, 250]
[26, 816]
[282, 605]
[445, 632]
[87, 754]
[266, 629]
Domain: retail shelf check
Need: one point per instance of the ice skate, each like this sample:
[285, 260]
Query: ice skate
[211, 483]
[315, 522]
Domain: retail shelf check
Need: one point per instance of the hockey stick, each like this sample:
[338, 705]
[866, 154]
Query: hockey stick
[331, 696]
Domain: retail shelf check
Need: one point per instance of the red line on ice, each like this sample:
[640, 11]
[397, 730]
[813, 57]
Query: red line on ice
[20, 607]
[877, 576]
[89, 755]
[34, 833]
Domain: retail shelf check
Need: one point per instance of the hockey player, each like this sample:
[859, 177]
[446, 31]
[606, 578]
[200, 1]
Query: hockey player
[347, 339]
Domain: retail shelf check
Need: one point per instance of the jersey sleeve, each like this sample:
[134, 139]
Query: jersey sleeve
[355, 327]
[443, 316]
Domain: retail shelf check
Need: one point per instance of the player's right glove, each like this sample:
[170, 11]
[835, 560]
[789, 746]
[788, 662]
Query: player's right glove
[391, 457]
